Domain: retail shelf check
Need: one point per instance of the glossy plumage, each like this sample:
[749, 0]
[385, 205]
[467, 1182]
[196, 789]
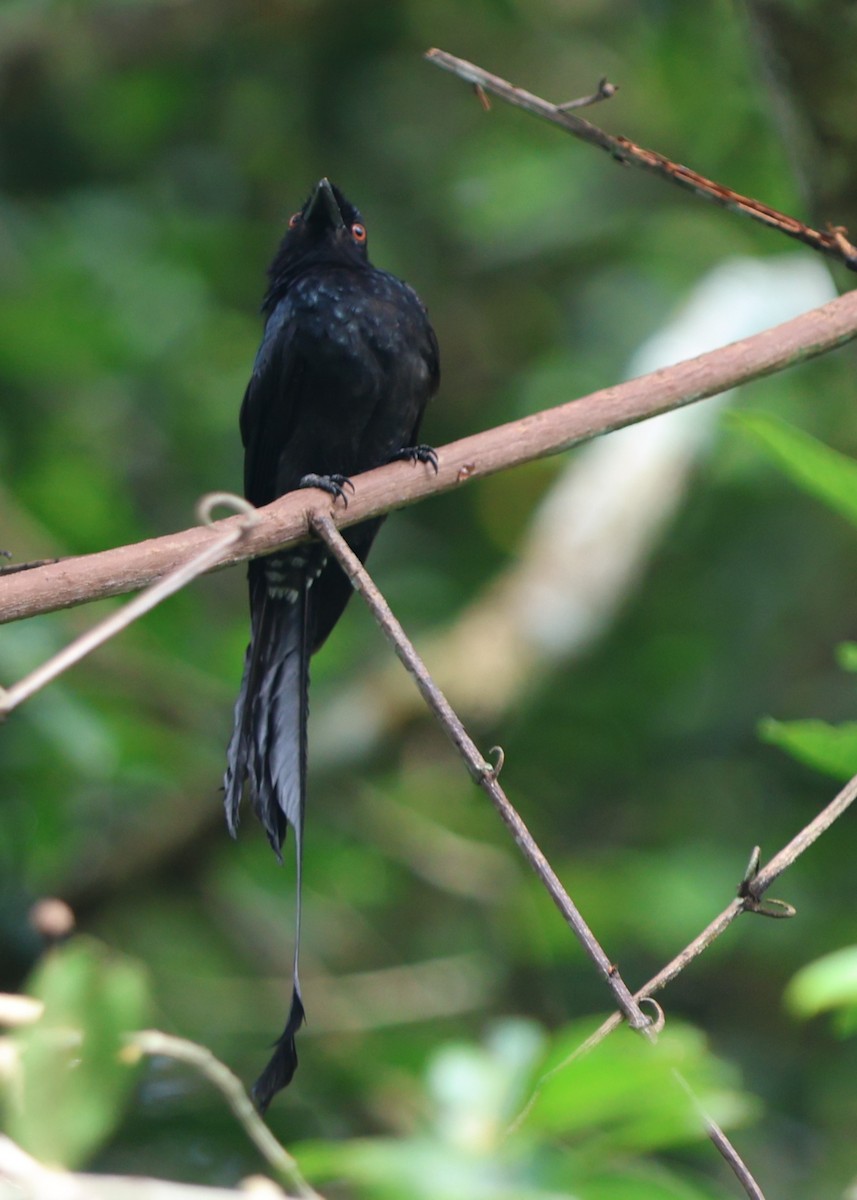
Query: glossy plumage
[347, 364]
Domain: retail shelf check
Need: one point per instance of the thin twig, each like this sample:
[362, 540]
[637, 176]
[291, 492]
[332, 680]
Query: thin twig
[643, 996]
[481, 771]
[722, 1142]
[604, 91]
[832, 242]
[283, 523]
[803, 840]
[729, 1154]
[485, 775]
[711, 932]
[72, 653]
[752, 891]
[153, 1042]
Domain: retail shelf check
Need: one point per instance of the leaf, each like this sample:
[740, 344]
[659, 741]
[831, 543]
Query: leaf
[623, 1094]
[846, 656]
[819, 470]
[828, 748]
[604, 1108]
[647, 1182]
[69, 1085]
[828, 983]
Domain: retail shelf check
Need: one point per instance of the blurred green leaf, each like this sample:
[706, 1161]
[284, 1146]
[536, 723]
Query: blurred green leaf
[67, 1094]
[824, 473]
[475, 1088]
[846, 656]
[643, 1184]
[829, 983]
[625, 1095]
[828, 748]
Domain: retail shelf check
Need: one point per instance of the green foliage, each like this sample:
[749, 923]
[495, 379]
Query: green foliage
[513, 1117]
[832, 478]
[824, 473]
[69, 1084]
[828, 748]
[828, 984]
[846, 655]
[625, 1097]
[582, 1135]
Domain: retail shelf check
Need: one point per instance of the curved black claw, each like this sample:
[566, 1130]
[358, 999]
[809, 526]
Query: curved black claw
[415, 454]
[334, 485]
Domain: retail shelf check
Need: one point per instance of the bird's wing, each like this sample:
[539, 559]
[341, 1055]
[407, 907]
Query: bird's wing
[268, 412]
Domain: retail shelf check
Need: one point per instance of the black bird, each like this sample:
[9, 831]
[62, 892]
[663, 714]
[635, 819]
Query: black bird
[347, 364]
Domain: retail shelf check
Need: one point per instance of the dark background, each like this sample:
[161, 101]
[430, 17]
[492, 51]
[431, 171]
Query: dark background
[150, 154]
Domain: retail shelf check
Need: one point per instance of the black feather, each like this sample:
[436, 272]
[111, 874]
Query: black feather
[347, 364]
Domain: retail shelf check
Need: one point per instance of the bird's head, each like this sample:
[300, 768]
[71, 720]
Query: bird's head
[328, 229]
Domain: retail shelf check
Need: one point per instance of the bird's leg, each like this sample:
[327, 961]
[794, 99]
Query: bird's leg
[334, 485]
[415, 454]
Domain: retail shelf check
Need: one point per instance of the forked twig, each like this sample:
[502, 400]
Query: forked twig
[604, 91]
[482, 772]
[485, 775]
[751, 893]
[832, 242]
[803, 840]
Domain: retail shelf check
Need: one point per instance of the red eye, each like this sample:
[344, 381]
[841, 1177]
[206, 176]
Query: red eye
[293, 220]
[358, 232]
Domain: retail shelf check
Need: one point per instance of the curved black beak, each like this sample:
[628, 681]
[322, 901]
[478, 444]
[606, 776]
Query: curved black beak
[323, 208]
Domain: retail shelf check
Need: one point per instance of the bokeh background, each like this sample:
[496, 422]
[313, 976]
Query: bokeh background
[150, 154]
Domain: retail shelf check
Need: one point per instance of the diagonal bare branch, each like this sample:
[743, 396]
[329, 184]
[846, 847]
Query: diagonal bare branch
[485, 776]
[751, 893]
[482, 772]
[832, 242]
[722, 1144]
[111, 572]
[152, 1042]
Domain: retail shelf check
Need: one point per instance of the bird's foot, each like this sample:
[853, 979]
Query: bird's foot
[334, 485]
[415, 454]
